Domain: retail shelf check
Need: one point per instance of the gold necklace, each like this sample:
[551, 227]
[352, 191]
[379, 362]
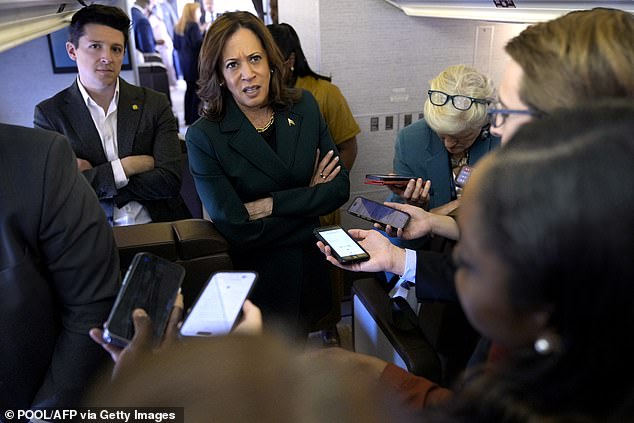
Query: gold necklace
[268, 124]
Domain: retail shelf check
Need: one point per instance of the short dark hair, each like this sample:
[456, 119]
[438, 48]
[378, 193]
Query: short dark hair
[99, 14]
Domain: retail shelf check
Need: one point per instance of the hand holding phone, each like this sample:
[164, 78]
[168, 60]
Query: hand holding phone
[378, 213]
[386, 179]
[345, 249]
[219, 305]
[151, 283]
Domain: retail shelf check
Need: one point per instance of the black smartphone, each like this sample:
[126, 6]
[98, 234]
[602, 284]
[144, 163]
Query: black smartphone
[386, 179]
[463, 176]
[218, 307]
[345, 249]
[150, 283]
[378, 213]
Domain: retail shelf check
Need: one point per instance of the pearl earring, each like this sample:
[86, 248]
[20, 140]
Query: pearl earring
[292, 69]
[547, 344]
[543, 346]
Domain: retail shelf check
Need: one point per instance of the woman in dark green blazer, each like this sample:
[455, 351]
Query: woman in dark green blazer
[265, 168]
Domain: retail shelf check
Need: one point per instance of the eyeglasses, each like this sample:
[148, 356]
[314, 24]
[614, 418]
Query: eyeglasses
[460, 102]
[498, 114]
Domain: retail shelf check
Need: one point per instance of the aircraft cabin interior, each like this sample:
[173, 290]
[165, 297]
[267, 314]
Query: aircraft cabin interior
[382, 55]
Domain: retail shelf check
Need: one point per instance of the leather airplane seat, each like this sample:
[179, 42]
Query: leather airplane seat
[195, 244]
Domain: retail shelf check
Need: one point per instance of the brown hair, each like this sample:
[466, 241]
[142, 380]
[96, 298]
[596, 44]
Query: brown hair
[576, 58]
[210, 90]
[188, 15]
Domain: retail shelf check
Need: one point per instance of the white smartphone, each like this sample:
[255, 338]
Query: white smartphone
[219, 305]
[345, 249]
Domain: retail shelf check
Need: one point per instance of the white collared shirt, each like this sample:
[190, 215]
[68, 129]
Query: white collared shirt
[410, 266]
[106, 123]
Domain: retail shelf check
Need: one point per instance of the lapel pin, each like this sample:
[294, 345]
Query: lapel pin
[135, 107]
[291, 122]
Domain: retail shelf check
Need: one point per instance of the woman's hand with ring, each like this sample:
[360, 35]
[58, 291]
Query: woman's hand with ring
[326, 169]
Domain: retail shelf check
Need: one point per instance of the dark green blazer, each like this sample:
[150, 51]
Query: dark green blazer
[232, 164]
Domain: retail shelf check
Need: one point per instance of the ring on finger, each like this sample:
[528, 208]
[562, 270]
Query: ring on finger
[322, 176]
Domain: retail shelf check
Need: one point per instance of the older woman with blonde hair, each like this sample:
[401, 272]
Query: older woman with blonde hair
[453, 134]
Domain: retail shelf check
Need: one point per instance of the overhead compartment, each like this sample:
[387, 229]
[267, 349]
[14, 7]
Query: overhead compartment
[512, 11]
[25, 20]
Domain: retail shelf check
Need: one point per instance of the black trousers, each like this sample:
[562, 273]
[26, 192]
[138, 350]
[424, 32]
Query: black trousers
[191, 103]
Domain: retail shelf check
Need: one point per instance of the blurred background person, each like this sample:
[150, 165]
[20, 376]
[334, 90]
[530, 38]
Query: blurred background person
[143, 35]
[164, 43]
[207, 14]
[265, 168]
[187, 40]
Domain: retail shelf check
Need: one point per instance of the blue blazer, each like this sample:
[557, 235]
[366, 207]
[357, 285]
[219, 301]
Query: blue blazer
[145, 126]
[143, 35]
[420, 153]
[232, 164]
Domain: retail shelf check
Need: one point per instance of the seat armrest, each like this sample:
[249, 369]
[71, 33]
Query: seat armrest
[198, 237]
[410, 344]
[155, 237]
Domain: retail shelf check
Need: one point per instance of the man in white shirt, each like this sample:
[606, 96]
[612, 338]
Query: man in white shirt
[125, 137]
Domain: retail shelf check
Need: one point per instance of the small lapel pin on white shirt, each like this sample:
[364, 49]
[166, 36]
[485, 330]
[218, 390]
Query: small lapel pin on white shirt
[291, 122]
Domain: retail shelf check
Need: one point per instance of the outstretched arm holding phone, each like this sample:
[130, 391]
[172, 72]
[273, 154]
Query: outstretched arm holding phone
[423, 223]
[251, 324]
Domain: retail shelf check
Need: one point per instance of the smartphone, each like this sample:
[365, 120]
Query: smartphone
[386, 179]
[345, 249]
[218, 307]
[378, 213]
[463, 176]
[151, 283]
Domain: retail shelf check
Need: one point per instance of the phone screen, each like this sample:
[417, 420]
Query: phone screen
[344, 248]
[151, 283]
[218, 307]
[377, 212]
[463, 176]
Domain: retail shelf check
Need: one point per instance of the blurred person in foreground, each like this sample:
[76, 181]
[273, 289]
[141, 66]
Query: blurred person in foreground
[59, 272]
[538, 268]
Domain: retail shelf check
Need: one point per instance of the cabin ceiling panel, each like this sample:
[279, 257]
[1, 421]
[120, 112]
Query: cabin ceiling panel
[511, 11]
